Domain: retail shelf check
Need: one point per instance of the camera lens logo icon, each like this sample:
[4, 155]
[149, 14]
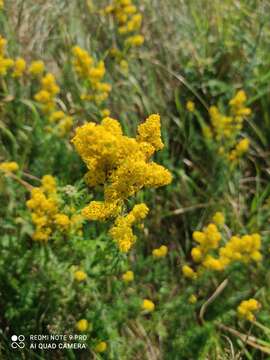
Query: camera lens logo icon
[17, 341]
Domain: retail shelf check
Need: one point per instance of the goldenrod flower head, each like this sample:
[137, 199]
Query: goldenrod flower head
[62, 221]
[134, 41]
[82, 325]
[65, 125]
[122, 165]
[188, 272]
[192, 299]
[219, 218]
[36, 68]
[128, 276]
[43, 205]
[19, 67]
[49, 84]
[48, 183]
[80, 275]
[56, 116]
[148, 305]
[3, 43]
[5, 65]
[101, 347]
[199, 236]
[91, 74]
[197, 254]
[11, 166]
[1, 4]
[122, 231]
[244, 249]
[239, 99]
[190, 106]
[213, 264]
[243, 146]
[105, 113]
[43, 96]
[162, 251]
[247, 308]
[149, 132]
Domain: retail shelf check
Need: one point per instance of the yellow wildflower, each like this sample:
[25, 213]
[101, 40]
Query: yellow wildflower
[11, 166]
[36, 68]
[162, 251]
[19, 67]
[62, 221]
[82, 325]
[219, 218]
[247, 308]
[134, 41]
[192, 299]
[122, 165]
[148, 305]
[101, 347]
[43, 205]
[105, 112]
[190, 106]
[188, 272]
[128, 276]
[80, 275]
[48, 183]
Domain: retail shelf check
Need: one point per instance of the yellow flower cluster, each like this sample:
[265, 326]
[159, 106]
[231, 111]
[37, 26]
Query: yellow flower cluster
[188, 272]
[9, 166]
[19, 67]
[47, 98]
[49, 90]
[128, 276]
[122, 231]
[129, 21]
[207, 239]
[5, 62]
[36, 68]
[240, 149]
[92, 74]
[247, 308]
[123, 166]
[82, 325]
[1, 4]
[218, 218]
[190, 106]
[80, 275]
[244, 249]
[61, 121]
[101, 347]
[225, 128]
[148, 305]
[44, 205]
[192, 299]
[162, 251]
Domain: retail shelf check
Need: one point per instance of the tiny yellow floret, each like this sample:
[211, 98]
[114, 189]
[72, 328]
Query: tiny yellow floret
[148, 305]
[80, 275]
[82, 325]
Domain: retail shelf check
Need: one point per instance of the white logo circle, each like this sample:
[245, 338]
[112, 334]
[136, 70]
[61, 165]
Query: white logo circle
[20, 344]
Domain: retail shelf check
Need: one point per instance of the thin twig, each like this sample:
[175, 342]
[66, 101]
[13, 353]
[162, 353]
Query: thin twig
[217, 292]
[250, 340]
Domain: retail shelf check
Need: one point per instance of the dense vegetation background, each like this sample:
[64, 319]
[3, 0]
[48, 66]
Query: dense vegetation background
[201, 52]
